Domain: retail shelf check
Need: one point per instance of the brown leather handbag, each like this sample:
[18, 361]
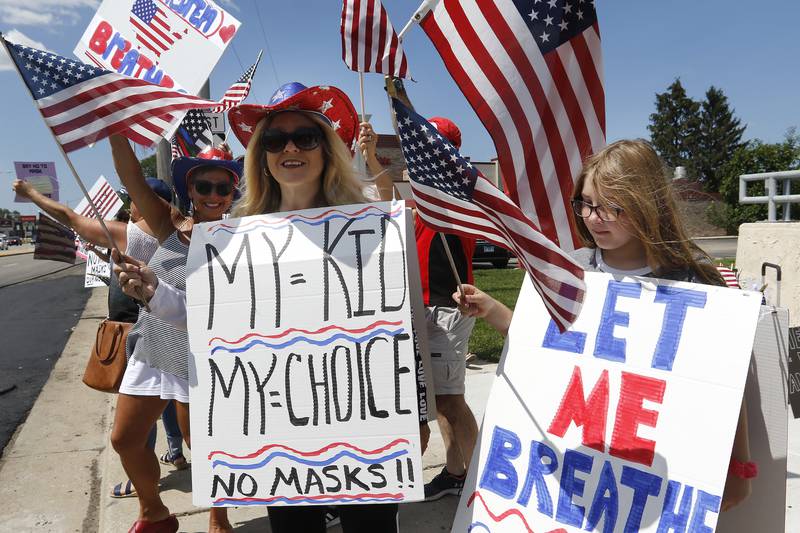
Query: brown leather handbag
[107, 362]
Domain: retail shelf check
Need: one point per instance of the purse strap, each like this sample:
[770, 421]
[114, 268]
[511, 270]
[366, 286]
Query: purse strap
[115, 340]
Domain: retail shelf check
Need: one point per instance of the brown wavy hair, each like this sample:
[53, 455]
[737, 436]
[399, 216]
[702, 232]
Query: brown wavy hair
[630, 175]
[262, 193]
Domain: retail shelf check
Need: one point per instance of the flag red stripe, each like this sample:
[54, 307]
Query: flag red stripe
[590, 76]
[382, 32]
[109, 109]
[142, 31]
[450, 225]
[466, 85]
[545, 113]
[573, 109]
[122, 125]
[519, 241]
[144, 42]
[368, 35]
[116, 84]
[355, 44]
[165, 37]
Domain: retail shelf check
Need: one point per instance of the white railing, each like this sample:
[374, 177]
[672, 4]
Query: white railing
[771, 184]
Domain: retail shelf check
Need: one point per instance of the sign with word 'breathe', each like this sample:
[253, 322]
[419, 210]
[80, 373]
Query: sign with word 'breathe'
[623, 423]
[302, 371]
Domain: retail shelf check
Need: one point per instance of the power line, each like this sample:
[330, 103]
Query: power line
[266, 45]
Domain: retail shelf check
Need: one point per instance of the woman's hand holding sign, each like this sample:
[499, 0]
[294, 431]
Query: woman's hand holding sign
[136, 279]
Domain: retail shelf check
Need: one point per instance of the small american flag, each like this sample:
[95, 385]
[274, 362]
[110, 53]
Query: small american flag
[237, 92]
[728, 276]
[152, 28]
[195, 130]
[54, 242]
[532, 72]
[452, 196]
[369, 42]
[104, 198]
[83, 104]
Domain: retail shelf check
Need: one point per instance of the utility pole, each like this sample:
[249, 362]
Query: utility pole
[164, 152]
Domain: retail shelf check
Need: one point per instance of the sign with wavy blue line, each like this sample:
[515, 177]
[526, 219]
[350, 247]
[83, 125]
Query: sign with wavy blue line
[625, 422]
[303, 380]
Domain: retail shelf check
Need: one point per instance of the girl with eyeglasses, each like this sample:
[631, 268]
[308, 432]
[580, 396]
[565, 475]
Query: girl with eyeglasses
[629, 223]
[157, 370]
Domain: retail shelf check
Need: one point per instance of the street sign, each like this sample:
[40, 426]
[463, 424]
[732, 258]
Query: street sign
[216, 121]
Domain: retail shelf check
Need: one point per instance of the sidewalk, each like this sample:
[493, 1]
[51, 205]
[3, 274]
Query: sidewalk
[17, 250]
[58, 469]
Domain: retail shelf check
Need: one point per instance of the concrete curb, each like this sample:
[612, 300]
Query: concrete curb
[11, 253]
[50, 472]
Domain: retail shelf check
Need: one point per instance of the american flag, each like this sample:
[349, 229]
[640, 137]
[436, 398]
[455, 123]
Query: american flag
[54, 242]
[369, 42]
[237, 92]
[104, 198]
[83, 104]
[453, 197]
[151, 26]
[195, 130]
[729, 276]
[533, 73]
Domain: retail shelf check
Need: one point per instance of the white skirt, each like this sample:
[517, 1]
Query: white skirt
[141, 379]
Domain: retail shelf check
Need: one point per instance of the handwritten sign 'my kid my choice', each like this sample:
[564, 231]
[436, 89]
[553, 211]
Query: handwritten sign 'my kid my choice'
[623, 423]
[302, 373]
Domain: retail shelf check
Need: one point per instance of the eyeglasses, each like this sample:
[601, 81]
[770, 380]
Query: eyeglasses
[204, 188]
[275, 140]
[606, 213]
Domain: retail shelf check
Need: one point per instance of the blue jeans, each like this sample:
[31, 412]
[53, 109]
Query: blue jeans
[174, 437]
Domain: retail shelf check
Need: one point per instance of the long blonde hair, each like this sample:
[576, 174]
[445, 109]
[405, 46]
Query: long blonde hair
[629, 174]
[262, 193]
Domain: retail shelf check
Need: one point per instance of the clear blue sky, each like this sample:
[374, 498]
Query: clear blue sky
[748, 51]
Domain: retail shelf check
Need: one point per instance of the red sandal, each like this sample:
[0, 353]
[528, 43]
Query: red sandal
[167, 525]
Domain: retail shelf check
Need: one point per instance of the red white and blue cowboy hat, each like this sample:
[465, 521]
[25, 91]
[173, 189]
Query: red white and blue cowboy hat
[183, 167]
[329, 103]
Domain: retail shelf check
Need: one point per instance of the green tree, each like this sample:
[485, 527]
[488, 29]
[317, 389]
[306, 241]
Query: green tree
[675, 127]
[149, 168]
[720, 137]
[753, 157]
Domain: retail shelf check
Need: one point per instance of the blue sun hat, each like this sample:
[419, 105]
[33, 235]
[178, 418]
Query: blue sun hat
[327, 102]
[183, 167]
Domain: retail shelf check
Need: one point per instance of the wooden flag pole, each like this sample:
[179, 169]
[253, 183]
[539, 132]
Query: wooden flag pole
[363, 107]
[462, 297]
[69, 164]
[396, 89]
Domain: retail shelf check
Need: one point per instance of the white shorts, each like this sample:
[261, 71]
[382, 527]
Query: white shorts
[141, 379]
[448, 339]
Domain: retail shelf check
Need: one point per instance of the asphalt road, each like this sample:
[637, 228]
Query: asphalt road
[36, 319]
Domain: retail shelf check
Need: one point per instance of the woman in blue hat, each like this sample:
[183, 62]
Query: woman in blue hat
[158, 353]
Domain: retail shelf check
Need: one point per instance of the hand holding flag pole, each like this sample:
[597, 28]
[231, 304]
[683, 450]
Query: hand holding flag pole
[395, 89]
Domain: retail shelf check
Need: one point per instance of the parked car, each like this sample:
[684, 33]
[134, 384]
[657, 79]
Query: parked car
[3, 241]
[487, 252]
[14, 241]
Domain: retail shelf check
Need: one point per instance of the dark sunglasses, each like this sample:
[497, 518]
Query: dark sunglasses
[204, 188]
[275, 140]
[606, 213]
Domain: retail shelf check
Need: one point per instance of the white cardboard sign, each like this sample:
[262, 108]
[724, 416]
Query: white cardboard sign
[97, 270]
[173, 43]
[302, 371]
[624, 423]
[105, 200]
